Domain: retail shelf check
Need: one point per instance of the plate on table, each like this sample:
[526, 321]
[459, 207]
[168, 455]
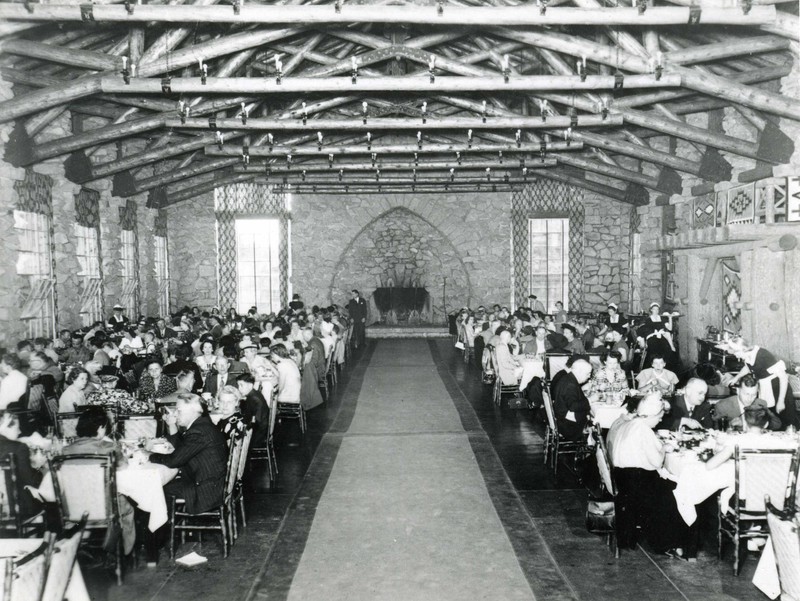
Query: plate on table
[162, 446]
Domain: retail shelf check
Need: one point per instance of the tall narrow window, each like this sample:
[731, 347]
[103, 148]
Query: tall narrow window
[130, 281]
[258, 264]
[162, 275]
[34, 261]
[549, 260]
[90, 302]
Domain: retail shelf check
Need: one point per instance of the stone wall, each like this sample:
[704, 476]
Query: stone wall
[67, 291]
[606, 273]
[464, 237]
[193, 253]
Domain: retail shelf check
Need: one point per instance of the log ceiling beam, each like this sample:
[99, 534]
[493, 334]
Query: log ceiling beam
[85, 59]
[350, 166]
[349, 14]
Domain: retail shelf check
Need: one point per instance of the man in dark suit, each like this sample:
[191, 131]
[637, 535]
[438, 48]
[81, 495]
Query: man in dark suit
[254, 408]
[570, 404]
[162, 331]
[219, 377]
[690, 409]
[317, 351]
[732, 408]
[179, 360]
[357, 308]
[201, 455]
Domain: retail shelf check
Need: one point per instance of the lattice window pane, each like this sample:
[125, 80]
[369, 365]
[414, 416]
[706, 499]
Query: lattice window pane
[129, 276]
[162, 274]
[258, 264]
[549, 260]
[34, 261]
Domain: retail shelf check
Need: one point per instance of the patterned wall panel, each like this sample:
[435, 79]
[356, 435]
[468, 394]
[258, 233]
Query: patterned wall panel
[87, 208]
[731, 295]
[742, 203]
[160, 223]
[34, 193]
[247, 199]
[793, 199]
[127, 216]
[704, 211]
[538, 200]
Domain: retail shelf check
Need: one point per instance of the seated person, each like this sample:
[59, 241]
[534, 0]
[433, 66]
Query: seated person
[609, 383]
[232, 424]
[289, 379]
[92, 429]
[570, 404]
[657, 377]
[644, 499]
[74, 394]
[180, 356]
[153, 383]
[508, 368]
[616, 336]
[254, 408]
[733, 408]
[219, 377]
[200, 453]
[690, 409]
[14, 383]
[540, 344]
[574, 343]
[26, 474]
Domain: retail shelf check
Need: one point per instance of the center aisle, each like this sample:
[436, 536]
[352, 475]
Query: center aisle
[405, 513]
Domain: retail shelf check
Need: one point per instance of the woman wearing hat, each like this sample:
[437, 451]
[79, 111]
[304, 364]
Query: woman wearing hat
[118, 321]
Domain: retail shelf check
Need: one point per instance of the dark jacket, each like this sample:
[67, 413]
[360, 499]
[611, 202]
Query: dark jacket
[318, 356]
[256, 411]
[201, 453]
[729, 408]
[703, 413]
[172, 369]
[568, 396]
[26, 475]
[211, 382]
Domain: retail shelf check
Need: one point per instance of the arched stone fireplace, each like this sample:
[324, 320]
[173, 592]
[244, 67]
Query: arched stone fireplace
[406, 268]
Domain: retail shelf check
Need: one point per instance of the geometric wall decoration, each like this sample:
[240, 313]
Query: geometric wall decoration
[722, 208]
[742, 204]
[731, 296]
[34, 193]
[542, 199]
[236, 200]
[793, 199]
[160, 223]
[127, 216]
[704, 211]
[87, 208]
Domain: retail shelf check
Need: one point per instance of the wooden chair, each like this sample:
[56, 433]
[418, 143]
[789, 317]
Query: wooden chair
[554, 363]
[607, 480]
[784, 531]
[268, 450]
[25, 579]
[11, 519]
[62, 562]
[66, 424]
[214, 520]
[87, 484]
[793, 486]
[758, 473]
[555, 445]
[238, 488]
[137, 426]
[501, 389]
[292, 411]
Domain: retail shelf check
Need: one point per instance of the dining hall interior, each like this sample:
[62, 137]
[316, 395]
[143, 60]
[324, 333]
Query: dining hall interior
[399, 299]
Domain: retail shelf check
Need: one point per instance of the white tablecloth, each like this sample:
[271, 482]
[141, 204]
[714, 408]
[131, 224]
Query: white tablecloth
[695, 483]
[19, 547]
[532, 367]
[143, 484]
[606, 414]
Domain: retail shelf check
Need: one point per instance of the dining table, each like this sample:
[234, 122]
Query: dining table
[532, 367]
[17, 548]
[606, 413]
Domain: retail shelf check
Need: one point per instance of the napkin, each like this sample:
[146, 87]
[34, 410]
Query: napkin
[192, 559]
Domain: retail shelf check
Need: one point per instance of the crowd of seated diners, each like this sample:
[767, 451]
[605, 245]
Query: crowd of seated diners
[620, 380]
[199, 383]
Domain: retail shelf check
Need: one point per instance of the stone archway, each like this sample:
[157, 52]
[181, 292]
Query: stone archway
[402, 247]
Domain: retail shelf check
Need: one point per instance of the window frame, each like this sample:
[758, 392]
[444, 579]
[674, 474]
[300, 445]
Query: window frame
[271, 304]
[543, 292]
[34, 234]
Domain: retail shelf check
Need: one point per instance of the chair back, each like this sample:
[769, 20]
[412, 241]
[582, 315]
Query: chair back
[548, 409]
[137, 426]
[66, 424]
[86, 484]
[62, 560]
[603, 463]
[234, 455]
[554, 363]
[9, 495]
[759, 473]
[243, 450]
[793, 486]
[784, 530]
[27, 578]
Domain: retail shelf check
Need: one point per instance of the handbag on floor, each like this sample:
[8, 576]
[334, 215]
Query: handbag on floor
[600, 516]
[517, 402]
[460, 345]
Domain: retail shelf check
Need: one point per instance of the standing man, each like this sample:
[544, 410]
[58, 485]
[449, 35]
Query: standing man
[357, 307]
[535, 304]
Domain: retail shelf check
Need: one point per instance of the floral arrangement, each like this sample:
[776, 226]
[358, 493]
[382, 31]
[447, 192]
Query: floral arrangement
[120, 399]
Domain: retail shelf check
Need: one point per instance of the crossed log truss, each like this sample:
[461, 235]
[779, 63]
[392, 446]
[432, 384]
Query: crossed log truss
[430, 95]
